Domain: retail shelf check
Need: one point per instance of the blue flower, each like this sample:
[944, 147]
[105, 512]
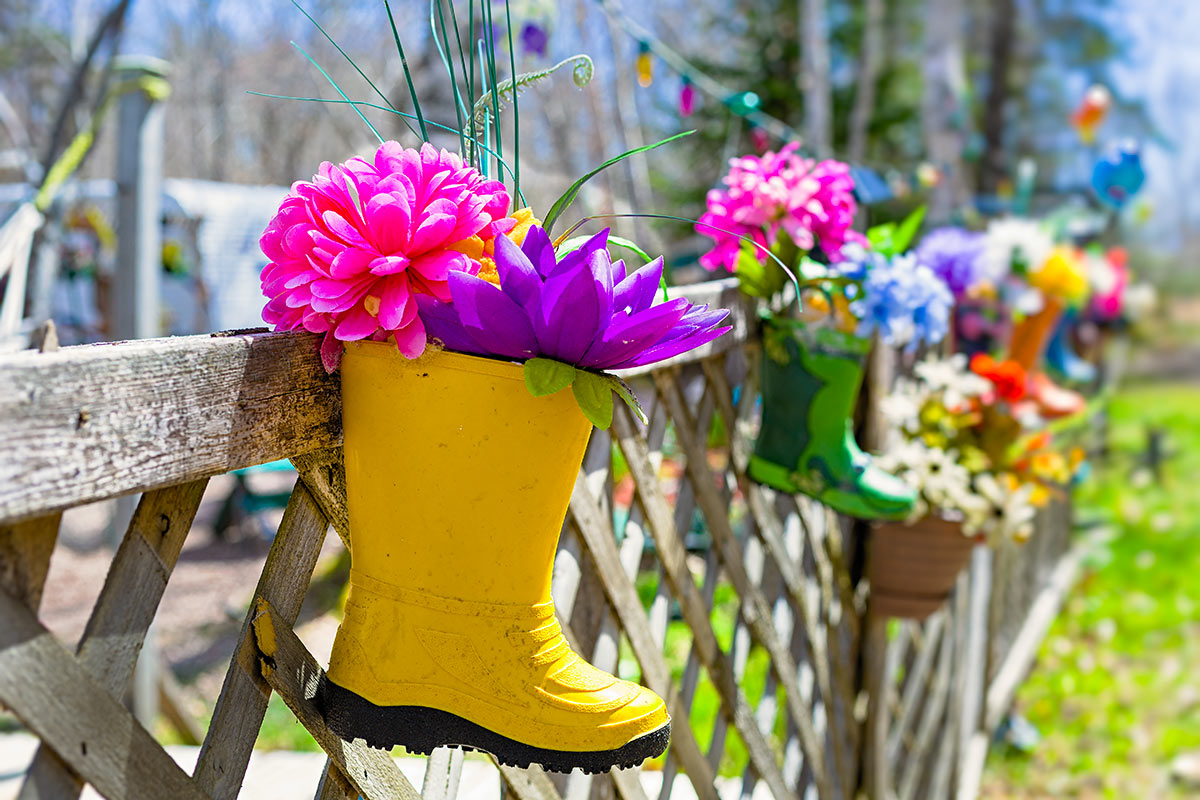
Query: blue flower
[904, 301]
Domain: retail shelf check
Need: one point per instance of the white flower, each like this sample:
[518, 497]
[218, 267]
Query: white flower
[1140, 300]
[1011, 513]
[902, 406]
[1010, 239]
[945, 478]
[951, 378]
[1102, 276]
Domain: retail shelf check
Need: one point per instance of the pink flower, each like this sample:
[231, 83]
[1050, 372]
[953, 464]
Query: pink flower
[349, 250]
[813, 202]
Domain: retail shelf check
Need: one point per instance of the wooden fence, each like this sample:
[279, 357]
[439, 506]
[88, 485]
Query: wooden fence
[743, 608]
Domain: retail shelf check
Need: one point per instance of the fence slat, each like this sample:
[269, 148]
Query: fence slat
[97, 421]
[754, 607]
[292, 671]
[123, 612]
[598, 539]
[25, 549]
[673, 557]
[52, 693]
[243, 701]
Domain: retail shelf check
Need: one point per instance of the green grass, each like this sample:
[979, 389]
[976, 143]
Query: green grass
[1116, 691]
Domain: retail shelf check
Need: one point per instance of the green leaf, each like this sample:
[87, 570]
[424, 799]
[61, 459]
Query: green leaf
[546, 376]
[626, 393]
[568, 197]
[756, 278]
[907, 230]
[881, 238]
[595, 397]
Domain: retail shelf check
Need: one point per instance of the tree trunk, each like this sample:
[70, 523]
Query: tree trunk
[992, 164]
[868, 73]
[943, 107]
[814, 77]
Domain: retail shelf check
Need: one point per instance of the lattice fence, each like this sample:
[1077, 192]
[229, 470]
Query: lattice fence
[739, 606]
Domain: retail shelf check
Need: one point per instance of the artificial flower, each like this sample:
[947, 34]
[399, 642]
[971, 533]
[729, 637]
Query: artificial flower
[1108, 276]
[1062, 276]
[582, 309]
[904, 302]
[952, 380]
[812, 202]
[1008, 378]
[1011, 513]
[956, 256]
[351, 250]
[1013, 242]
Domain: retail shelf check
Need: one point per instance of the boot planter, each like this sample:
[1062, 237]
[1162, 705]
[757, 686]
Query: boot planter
[1061, 355]
[913, 568]
[811, 379]
[458, 480]
[1029, 341]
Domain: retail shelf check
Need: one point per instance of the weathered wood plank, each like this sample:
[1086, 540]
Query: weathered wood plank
[25, 549]
[123, 612]
[292, 671]
[324, 473]
[243, 701]
[754, 608]
[673, 557]
[333, 784]
[52, 693]
[597, 536]
[97, 421]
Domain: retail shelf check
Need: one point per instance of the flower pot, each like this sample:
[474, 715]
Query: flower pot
[913, 568]
[458, 480]
[810, 385]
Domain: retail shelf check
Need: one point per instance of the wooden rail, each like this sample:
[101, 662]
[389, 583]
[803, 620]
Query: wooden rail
[758, 631]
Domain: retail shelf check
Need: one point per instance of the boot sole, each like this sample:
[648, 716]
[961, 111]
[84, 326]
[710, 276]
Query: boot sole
[419, 729]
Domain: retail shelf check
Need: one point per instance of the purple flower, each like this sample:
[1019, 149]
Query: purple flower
[534, 39]
[582, 310]
[956, 256]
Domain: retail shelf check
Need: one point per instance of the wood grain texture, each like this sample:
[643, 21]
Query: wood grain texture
[25, 549]
[754, 609]
[324, 473]
[674, 559]
[291, 670]
[96, 421]
[123, 612]
[243, 700]
[601, 545]
[56, 698]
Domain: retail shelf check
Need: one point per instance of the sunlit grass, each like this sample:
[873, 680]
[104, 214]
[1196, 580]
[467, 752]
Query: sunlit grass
[1115, 693]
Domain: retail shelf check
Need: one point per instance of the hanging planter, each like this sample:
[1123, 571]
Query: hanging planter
[811, 378]
[913, 567]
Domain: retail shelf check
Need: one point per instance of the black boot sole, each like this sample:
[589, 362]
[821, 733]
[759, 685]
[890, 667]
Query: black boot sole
[419, 729]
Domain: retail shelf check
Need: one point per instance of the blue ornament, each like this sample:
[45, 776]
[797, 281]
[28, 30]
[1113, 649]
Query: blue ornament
[1119, 175]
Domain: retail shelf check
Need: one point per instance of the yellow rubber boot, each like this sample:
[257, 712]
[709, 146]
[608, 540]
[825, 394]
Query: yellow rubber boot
[458, 480]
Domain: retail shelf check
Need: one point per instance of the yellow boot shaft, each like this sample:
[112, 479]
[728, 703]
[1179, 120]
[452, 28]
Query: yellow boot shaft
[458, 480]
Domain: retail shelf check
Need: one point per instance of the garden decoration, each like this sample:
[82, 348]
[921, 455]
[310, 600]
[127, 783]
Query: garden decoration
[1091, 111]
[801, 210]
[1061, 355]
[474, 361]
[980, 474]
[1119, 175]
[1062, 283]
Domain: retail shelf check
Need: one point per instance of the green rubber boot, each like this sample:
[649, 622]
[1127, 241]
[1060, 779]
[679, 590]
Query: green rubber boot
[806, 443]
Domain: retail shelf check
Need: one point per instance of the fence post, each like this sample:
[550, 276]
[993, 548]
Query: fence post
[135, 303]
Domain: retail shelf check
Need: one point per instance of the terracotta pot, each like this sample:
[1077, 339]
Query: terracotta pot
[913, 568]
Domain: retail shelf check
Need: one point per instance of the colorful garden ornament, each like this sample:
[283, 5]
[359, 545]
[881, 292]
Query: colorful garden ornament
[1119, 175]
[460, 465]
[1091, 111]
[811, 381]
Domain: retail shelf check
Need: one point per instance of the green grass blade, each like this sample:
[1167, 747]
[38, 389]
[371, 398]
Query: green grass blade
[351, 61]
[504, 164]
[412, 89]
[443, 45]
[512, 64]
[568, 197]
[333, 83]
